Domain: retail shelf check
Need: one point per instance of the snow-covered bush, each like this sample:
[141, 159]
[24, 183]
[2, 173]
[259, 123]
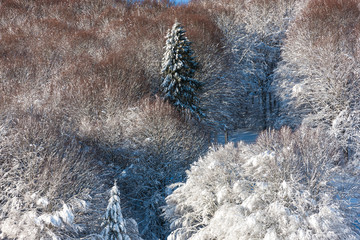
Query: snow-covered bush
[48, 180]
[160, 146]
[318, 77]
[149, 146]
[346, 130]
[265, 24]
[278, 188]
[318, 83]
[253, 35]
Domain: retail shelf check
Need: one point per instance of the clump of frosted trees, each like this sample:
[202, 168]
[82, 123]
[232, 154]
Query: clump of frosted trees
[302, 184]
[282, 187]
[317, 78]
[318, 83]
[254, 32]
[161, 146]
[46, 180]
[78, 119]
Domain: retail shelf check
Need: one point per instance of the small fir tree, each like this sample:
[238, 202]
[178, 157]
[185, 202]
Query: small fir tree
[177, 72]
[114, 221]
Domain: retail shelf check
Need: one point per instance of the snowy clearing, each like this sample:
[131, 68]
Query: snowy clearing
[245, 135]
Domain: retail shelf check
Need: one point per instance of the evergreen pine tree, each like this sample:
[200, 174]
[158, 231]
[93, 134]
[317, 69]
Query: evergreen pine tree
[177, 72]
[114, 221]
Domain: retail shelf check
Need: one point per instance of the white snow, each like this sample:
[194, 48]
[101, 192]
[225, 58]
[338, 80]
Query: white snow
[42, 202]
[245, 135]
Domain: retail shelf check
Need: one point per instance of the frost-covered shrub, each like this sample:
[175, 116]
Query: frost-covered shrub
[346, 130]
[155, 145]
[161, 146]
[319, 73]
[265, 24]
[48, 179]
[278, 188]
[318, 82]
[253, 35]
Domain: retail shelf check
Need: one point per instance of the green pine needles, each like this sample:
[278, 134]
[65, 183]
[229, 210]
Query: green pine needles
[177, 72]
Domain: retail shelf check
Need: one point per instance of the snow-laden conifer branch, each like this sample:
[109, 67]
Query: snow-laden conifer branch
[114, 221]
[177, 71]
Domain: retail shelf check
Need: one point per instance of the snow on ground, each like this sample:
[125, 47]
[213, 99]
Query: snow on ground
[246, 135]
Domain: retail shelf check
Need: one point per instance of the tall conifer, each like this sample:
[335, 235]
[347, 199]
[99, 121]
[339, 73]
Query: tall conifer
[177, 72]
[114, 221]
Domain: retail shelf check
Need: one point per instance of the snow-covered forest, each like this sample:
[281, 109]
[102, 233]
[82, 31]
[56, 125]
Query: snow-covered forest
[114, 118]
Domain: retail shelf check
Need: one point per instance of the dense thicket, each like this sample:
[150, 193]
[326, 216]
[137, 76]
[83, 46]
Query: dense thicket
[319, 71]
[278, 188]
[318, 83]
[80, 107]
[77, 89]
[47, 178]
